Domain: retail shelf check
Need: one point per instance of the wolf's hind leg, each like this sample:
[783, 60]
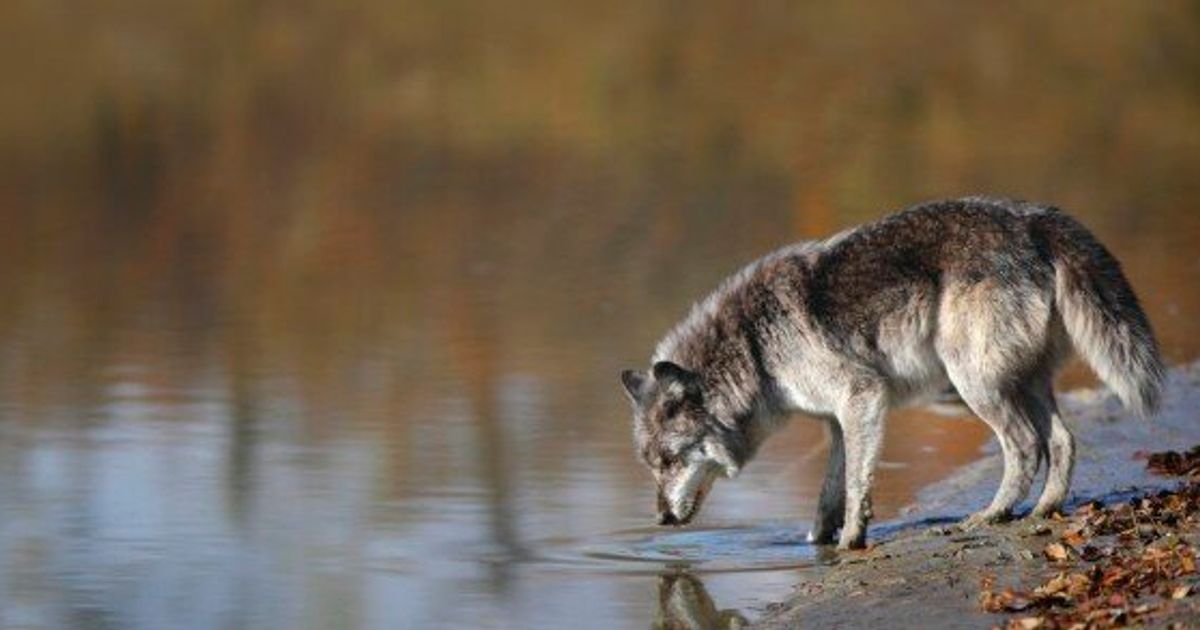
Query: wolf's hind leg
[994, 340]
[1019, 443]
[831, 508]
[861, 421]
[1061, 456]
[1016, 427]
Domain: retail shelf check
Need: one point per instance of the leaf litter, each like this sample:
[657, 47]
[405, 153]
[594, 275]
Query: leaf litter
[1115, 565]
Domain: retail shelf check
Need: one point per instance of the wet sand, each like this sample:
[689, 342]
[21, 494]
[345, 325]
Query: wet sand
[929, 575]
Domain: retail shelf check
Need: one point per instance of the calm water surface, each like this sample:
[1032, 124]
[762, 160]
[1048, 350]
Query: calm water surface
[312, 317]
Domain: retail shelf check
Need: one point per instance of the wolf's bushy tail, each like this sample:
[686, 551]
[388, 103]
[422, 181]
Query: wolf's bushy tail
[1101, 313]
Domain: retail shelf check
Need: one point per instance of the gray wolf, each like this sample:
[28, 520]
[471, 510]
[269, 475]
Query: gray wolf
[985, 296]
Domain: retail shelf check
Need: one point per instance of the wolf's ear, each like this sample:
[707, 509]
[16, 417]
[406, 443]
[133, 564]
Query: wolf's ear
[674, 380]
[634, 381]
[716, 451]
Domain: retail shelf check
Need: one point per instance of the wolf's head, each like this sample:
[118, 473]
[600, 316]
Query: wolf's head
[682, 443]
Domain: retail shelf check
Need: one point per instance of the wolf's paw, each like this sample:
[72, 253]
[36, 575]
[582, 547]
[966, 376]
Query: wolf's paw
[980, 519]
[1046, 511]
[942, 530]
[852, 540]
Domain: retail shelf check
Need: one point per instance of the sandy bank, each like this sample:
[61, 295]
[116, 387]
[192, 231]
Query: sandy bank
[925, 578]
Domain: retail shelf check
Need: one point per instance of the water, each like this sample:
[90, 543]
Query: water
[313, 315]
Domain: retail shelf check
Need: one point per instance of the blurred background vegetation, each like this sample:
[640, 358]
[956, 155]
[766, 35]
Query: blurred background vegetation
[323, 160]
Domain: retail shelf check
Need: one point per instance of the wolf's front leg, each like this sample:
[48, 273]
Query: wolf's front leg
[831, 508]
[862, 428]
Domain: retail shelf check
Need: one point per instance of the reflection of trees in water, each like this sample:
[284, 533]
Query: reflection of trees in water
[245, 429]
[470, 334]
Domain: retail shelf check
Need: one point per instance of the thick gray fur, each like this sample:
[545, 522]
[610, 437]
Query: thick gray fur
[983, 295]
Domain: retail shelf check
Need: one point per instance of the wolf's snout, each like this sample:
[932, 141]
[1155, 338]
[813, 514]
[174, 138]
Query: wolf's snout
[667, 518]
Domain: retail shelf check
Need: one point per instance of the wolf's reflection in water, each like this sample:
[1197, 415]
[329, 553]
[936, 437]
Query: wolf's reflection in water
[684, 603]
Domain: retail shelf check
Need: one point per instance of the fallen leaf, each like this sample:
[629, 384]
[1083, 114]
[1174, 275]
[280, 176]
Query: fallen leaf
[1057, 552]
[1057, 584]
[1174, 463]
[1008, 601]
[1073, 538]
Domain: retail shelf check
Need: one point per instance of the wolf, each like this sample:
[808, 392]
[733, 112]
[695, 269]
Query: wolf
[985, 297]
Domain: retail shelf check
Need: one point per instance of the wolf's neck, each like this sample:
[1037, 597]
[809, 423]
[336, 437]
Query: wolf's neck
[761, 418]
[740, 393]
[722, 340]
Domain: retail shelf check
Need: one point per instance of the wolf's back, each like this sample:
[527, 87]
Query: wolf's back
[1101, 312]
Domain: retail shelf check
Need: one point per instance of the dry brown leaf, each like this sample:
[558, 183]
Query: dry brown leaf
[1134, 551]
[1113, 576]
[1057, 552]
[1056, 584]
[1073, 538]
[1007, 601]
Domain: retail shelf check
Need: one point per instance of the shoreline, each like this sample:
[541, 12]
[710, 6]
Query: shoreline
[929, 576]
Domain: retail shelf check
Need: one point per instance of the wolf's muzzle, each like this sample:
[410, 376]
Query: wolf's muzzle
[665, 515]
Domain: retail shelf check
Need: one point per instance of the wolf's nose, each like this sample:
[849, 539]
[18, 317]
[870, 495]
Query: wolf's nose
[667, 518]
